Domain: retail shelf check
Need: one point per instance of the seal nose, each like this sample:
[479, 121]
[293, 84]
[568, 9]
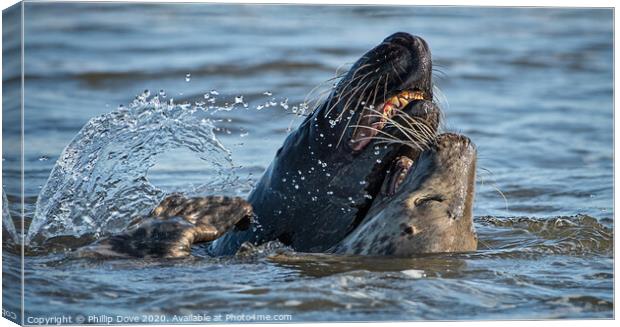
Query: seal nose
[408, 41]
[399, 36]
[449, 146]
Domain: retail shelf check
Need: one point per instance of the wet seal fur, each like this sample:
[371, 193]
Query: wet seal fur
[334, 149]
[430, 212]
[173, 226]
[365, 173]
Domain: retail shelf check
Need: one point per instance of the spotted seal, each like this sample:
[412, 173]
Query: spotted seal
[425, 205]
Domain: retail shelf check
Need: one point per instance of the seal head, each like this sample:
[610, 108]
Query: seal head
[425, 204]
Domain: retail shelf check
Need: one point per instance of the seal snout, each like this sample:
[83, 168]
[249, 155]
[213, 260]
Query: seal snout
[407, 40]
[455, 149]
[404, 62]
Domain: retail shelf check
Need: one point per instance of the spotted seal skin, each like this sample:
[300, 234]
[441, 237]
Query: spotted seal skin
[323, 179]
[425, 205]
[173, 226]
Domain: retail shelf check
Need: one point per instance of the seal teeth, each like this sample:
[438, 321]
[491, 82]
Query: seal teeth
[418, 95]
[373, 125]
[400, 101]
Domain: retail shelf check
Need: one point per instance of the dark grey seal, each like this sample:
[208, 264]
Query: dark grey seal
[339, 151]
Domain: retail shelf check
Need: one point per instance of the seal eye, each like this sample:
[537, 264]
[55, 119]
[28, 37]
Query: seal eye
[427, 198]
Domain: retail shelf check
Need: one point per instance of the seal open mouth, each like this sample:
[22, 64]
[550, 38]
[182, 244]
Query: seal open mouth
[381, 84]
[372, 122]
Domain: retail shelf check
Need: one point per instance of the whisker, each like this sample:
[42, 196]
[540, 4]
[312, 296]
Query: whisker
[412, 143]
[345, 92]
[487, 247]
[349, 121]
[346, 106]
[314, 89]
[427, 133]
[408, 135]
[493, 185]
[442, 99]
[425, 129]
[358, 87]
[396, 72]
[342, 65]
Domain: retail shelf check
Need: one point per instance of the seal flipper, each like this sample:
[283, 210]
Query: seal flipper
[173, 226]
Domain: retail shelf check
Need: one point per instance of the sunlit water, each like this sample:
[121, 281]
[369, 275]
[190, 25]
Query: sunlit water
[531, 87]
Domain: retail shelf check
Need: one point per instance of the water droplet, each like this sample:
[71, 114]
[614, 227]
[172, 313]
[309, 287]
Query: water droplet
[284, 104]
[43, 158]
[188, 77]
[214, 92]
[378, 160]
[162, 93]
[268, 93]
[296, 186]
[239, 99]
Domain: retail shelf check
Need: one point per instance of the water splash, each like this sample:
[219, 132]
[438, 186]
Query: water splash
[7, 221]
[100, 180]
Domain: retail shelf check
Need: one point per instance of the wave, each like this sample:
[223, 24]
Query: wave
[566, 235]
